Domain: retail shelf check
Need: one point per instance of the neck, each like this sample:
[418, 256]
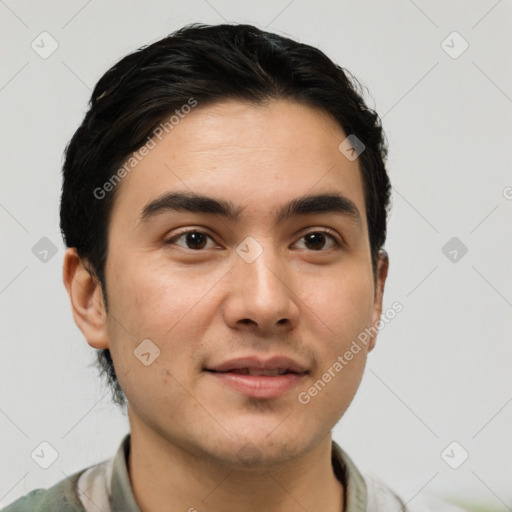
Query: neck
[166, 477]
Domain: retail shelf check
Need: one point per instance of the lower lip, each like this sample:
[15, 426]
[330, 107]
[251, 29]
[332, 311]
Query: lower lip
[259, 386]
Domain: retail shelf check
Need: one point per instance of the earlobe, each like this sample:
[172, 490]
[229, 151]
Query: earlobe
[382, 274]
[86, 299]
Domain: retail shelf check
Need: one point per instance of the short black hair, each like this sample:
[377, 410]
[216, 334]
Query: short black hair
[206, 63]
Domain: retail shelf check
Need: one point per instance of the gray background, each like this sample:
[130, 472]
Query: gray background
[441, 368]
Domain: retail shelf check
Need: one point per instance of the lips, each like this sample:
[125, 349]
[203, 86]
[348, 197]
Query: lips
[278, 365]
[258, 378]
[257, 371]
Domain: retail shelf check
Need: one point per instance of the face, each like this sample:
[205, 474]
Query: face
[253, 306]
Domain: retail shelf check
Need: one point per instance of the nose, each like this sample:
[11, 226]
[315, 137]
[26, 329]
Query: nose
[261, 295]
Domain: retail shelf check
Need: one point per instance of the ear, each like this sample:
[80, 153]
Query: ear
[86, 299]
[382, 274]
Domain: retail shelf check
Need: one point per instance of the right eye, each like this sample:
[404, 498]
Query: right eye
[193, 239]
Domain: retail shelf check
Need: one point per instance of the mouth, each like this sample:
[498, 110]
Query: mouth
[257, 378]
[256, 371]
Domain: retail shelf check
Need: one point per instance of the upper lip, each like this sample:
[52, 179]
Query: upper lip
[258, 363]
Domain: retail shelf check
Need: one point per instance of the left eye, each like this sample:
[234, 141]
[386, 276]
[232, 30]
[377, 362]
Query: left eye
[316, 240]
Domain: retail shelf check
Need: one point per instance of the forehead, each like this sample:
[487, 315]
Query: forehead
[257, 157]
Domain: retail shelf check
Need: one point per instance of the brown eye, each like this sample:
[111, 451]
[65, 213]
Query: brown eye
[317, 240]
[194, 240]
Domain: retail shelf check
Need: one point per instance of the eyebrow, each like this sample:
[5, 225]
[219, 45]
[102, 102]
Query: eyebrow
[304, 205]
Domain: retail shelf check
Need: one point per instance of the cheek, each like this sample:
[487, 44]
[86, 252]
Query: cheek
[157, 300]
[168, 306]
[341, 309]
[341, 389]
[343, 304]
[150, 304]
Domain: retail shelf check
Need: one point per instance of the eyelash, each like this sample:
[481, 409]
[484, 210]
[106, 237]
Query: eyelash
[325, 231]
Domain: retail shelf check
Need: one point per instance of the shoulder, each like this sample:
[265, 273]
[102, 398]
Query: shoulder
[61, 497]
[366, 491]
[382, 498]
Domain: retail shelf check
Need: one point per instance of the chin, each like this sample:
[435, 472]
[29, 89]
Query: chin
[262, 446]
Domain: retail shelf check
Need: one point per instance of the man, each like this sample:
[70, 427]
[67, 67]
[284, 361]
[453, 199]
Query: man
[224, 207]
